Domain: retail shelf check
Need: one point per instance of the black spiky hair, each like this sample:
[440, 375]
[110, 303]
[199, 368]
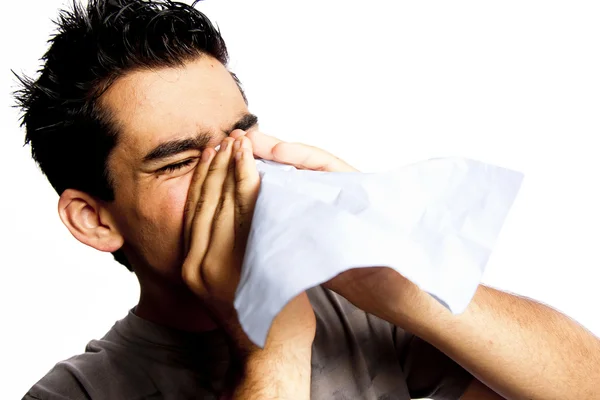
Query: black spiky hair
[70, 135]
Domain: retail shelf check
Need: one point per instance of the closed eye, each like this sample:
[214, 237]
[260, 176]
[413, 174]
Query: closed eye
[177, 166]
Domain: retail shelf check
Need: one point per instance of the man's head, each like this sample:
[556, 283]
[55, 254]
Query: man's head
[129, 94]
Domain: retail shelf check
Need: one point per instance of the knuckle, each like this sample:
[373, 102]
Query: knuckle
[219, 209]
[231, 167]
[248, 189]
[226, 203]
[212, 168]
[277, 149]
[222, 204]
[208, 198]
[218, 215]
[221, 216]
[201, 202]
[189, 207]
[245, 212]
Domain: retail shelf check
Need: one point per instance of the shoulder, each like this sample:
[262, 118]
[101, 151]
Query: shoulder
[100, 373]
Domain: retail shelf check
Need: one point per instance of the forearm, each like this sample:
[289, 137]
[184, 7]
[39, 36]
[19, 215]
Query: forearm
[280, 370]
[275, 374]
[519, 348]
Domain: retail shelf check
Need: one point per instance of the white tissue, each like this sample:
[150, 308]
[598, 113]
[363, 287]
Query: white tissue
[435, 222]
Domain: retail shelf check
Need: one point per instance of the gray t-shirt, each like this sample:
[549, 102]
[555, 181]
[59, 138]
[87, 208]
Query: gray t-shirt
[355, 356]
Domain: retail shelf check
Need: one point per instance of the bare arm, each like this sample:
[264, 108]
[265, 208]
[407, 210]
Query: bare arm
[281, 374]
[519, 348]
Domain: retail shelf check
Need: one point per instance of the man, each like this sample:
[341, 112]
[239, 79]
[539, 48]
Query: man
[133, 98]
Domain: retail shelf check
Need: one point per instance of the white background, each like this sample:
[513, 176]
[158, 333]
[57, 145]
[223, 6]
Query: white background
[381, 84]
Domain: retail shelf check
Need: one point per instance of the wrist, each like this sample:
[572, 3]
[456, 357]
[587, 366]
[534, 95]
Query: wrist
[427, 318]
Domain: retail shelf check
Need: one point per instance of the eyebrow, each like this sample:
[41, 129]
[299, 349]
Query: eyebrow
[244, 123]
[174, 147]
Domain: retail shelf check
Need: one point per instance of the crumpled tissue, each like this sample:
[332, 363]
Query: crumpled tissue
[435, 222]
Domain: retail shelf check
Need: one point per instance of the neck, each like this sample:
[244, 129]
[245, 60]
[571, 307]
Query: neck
[172, 305]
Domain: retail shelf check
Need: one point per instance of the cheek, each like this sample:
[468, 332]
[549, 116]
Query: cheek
[173, 204]
[159, 233]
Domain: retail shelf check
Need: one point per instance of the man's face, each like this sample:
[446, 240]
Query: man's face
[165, 118]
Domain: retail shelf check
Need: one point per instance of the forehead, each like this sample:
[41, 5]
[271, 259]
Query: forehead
[154, 106]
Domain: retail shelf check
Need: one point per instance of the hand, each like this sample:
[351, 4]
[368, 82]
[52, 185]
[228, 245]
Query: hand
[299, 155]
[378, 290]
[217, 220]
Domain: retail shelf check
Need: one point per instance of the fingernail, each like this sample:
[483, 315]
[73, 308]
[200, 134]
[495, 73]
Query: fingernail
[246, 143]
[237, 145]
[224, 145]
[205, 156]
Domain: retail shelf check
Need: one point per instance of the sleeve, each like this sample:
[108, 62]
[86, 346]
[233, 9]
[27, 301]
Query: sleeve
[58, 384]
[428, 371]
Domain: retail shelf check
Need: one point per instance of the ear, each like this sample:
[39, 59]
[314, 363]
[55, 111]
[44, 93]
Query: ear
[89, 221]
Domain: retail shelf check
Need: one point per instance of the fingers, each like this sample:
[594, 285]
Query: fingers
[247, 188]
[208, 201]
[299, 155]
[194, 194]
[217, 217]
[223, 234]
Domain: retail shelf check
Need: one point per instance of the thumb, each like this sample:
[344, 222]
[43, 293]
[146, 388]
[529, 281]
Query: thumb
[299, 155]
[262, 144]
